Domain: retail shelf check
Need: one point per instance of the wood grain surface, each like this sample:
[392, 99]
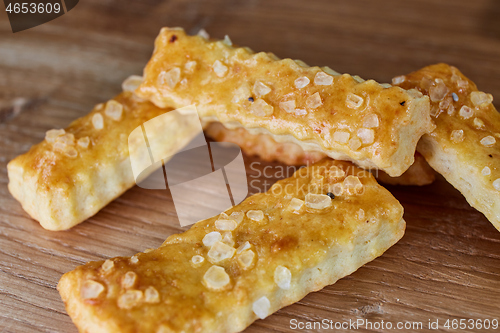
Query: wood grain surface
[447, 266]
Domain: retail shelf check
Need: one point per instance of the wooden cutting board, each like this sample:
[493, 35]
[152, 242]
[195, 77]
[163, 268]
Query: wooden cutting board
[447, 266]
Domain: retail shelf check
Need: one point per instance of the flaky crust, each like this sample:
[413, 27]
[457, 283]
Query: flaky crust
[61, 191]
[317, 246]
[326, 111]
[266, 148]
[263, 145]
[454, 148]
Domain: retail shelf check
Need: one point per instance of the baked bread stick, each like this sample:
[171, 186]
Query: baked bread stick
[463, 147]
[266, 148]
[376, 126]
[75, 172]
[257, 257]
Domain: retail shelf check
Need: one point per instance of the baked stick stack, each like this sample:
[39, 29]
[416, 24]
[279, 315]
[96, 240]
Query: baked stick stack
[229, 270]
[376, 126]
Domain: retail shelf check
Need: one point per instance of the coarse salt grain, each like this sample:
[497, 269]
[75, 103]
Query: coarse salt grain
[225, 224]
[220, 251]
[398, 79]
[478, 123]
[335, 173]
[197, 259]
[107, 266]
[211, 238]
[354, 101]
[261, 307]
[341, 136]
[151, 295]
[488, 141]
[314, 101]
[216, 278]
[371, 121]
[282, 277]
[366, 135]
[323, 79]
[227, 41]
[486, 171]
[241, 93]
[353, 184]
[478, 97]
[261, 108]
[438, 91]
[457, 136]
[219, 68]
[260, 89]
[237, 216]
[288, 106]
[466, 112]
[132, 83]
[130, 299]
[354, 143]
[98, 121]
[245, 259]
[134, 259]
[70, 152]
[91, 289]
[129, 280]
[255, 215]
[361, 214]
[53, 134]
[114, 110]
[170, 78]
[203, 34]
[337, 189]
[227, 238]
[496, 184]
[296, 204]
[243, 247]
[318, 201]
[190, 66]
[84, 142]
[301, 82]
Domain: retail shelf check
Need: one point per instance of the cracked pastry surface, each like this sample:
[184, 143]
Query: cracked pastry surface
[463, 147]
[76, 171]
[248, 262]
[344, 116]
[266, 148]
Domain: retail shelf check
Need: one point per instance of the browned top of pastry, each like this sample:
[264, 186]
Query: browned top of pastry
[97, 139]
[347, 117]
[468, 125]
[207, 278]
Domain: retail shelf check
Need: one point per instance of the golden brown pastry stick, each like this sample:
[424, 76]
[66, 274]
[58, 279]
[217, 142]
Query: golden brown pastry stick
[347, 118]
[75, 172]
[259, 256]
[463, 147]
[266, 148]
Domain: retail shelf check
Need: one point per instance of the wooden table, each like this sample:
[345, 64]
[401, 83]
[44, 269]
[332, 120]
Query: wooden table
[447, 266]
